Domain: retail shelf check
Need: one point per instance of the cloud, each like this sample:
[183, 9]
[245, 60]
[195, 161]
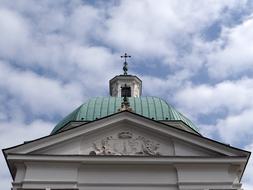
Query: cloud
[16, 132]
[165, 87]
[59, 42]
[40, 95]
[236, 129]
[141, 27]
[56, 54]
[163, 29]
[232, 54]
[85, 23]
[14, 33]
[227, 106]
[231, 95]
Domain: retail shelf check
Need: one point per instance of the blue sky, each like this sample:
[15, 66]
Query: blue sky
[197, 55]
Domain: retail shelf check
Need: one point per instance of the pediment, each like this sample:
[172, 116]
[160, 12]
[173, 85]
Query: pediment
[121, 139]
[127, 140]
[128, 134]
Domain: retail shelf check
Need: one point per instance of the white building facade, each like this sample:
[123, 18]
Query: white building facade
[150, 146]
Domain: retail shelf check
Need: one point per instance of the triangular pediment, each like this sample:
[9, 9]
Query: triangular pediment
[125, 138]
[126, 133]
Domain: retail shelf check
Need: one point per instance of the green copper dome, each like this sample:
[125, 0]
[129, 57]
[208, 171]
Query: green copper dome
[151, 107]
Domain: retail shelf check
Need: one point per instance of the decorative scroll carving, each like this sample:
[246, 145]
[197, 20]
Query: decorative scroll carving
[125, 143]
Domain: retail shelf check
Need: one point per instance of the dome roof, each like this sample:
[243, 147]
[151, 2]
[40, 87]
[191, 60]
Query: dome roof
[151, 107]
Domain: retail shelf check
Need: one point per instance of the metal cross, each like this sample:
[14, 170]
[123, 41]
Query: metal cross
[125, 56]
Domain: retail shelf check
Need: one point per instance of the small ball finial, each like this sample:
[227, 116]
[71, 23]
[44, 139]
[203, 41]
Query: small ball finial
[125, 69]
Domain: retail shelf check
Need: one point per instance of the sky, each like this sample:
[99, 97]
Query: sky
[195, 54]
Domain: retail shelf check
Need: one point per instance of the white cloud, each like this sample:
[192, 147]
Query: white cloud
[16, 132]
[145, 28]
[14, 33]
[236, 129]
[77, 45]
[209, 131]
[233, 53]
[231, 96]
[85, 23]
[57, 41]
[162, 29]
[43, 96]
[228, 104]
[165, 87]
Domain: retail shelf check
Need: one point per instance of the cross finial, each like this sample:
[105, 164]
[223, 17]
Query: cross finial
[125, 56]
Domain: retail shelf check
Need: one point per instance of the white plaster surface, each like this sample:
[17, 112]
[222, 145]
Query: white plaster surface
[185, 161]
[129, 81]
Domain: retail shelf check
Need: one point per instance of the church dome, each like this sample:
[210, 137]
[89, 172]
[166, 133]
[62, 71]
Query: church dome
[99, 107]
[125, 94]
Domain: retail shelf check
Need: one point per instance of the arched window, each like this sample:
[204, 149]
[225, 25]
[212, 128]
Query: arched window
[125, 91]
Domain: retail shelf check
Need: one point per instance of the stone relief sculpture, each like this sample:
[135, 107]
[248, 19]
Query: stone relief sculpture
[125, 143]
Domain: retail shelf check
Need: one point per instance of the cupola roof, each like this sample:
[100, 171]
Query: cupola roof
[125, 94]
[151, 107]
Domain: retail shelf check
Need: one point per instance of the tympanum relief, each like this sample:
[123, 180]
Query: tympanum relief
[125, 143]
